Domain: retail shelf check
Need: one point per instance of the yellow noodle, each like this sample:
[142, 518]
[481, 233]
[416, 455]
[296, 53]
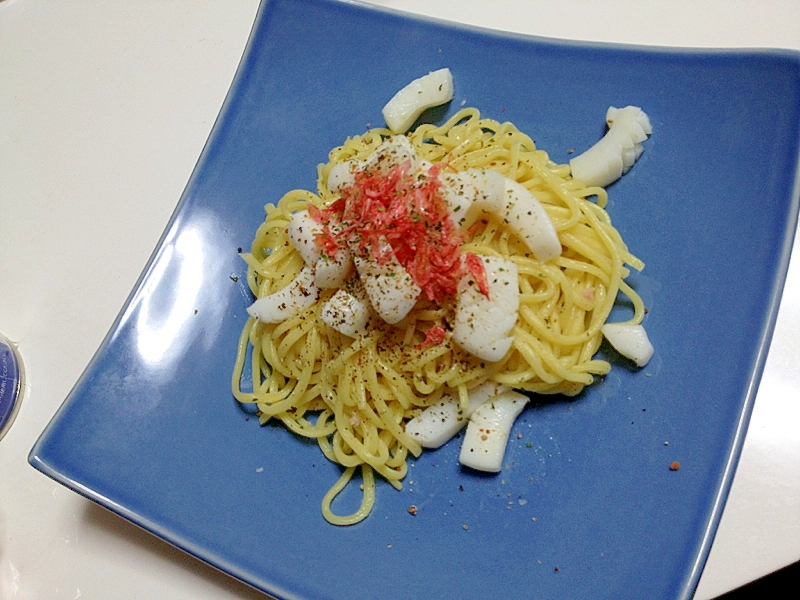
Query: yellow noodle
[367, 501]
[365, 389]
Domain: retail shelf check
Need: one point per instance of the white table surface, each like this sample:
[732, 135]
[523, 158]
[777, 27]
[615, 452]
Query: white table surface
[104, 110]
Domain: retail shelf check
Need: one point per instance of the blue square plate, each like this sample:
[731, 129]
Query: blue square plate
[587, 505]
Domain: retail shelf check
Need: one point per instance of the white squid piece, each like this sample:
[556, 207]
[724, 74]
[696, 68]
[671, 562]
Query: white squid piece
[615, 153]
[468, 192]
[530, 221]
[302, 229]
[629, 340]
[329, 271]
[346, 313]
[439, 423]
[464, 190]
[423, 93]
[389, 286]
[392, 152]
[485, 441]
[300, 294]
[483, 325]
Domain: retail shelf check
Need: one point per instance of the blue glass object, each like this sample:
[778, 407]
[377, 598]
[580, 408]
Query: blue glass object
[11, 379]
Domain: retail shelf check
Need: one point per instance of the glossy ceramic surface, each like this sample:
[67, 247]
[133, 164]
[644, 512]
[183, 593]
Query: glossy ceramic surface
[587, 505]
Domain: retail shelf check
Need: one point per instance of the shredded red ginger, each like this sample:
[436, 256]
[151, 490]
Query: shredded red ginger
[478, 271]
[433, 337]
[410, 214]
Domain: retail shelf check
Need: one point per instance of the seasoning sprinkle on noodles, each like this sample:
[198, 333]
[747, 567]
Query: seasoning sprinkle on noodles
[431, 274]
